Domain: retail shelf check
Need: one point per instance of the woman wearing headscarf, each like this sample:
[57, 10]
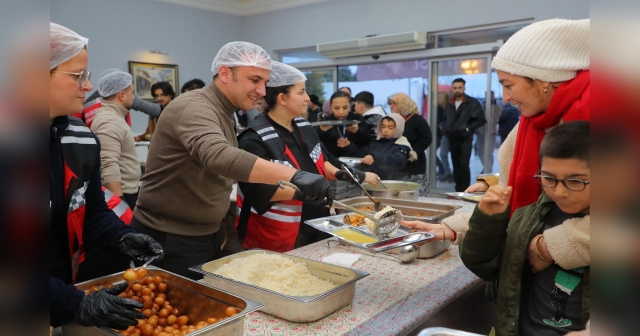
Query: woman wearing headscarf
[418, 132]
[544, 72]
[79, 216]
[270, 217]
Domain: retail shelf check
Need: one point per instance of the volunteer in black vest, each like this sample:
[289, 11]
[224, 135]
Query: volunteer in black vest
[270, 218]
[79, 216]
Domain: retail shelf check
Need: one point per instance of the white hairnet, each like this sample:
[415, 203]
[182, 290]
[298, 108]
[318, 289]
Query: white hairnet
[284, 74]
[114, 82]
[64, 44]
[240, 53]
[102, 74]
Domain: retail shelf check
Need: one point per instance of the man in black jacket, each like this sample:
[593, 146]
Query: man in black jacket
[462, 116]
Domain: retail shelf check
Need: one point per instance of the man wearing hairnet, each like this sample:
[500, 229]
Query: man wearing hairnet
[119, 162]
[194, 160]
[79, 216]
[94, 102]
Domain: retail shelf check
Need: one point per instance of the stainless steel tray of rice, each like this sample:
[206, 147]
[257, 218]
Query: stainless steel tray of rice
[305, 308]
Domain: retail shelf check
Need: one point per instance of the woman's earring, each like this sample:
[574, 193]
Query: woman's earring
[546, 89]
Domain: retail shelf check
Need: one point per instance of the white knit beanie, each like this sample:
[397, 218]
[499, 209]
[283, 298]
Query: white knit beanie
[551, 51]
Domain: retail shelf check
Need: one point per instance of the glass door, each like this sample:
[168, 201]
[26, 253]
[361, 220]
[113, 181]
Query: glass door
[455, 159]
[321, 82]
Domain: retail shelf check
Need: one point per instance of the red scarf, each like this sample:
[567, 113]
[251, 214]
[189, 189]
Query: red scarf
[571, 101]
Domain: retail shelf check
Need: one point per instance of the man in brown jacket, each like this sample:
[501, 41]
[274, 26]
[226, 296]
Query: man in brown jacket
[194, 160]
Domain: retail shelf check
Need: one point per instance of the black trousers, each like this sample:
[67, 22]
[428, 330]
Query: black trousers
[181, 252]
[460, 149]
[131, 199]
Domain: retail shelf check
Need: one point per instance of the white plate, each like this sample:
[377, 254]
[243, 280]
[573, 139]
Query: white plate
[473, 198]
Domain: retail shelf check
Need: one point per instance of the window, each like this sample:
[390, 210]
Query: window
[386, 79]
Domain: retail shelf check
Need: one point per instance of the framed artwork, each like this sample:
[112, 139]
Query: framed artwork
[147, 74]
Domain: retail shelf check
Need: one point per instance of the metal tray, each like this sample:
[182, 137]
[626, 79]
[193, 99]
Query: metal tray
[196, 300]
[335, 122]
[291, 308]
[427, 248]
[445, 332]
[431, 212]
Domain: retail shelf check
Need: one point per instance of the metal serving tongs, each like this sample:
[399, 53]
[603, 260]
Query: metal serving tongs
[385, 225]
[377, 206]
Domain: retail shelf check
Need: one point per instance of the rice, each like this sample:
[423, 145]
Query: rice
[276, 273]
[371, 224]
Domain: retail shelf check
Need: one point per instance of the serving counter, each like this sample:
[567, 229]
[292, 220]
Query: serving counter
[394, 299]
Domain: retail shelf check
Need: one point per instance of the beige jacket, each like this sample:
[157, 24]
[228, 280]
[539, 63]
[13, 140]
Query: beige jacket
[568, 243]
[192, 163]
[118, 157]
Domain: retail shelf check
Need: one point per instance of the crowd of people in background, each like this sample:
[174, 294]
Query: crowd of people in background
[460, 123]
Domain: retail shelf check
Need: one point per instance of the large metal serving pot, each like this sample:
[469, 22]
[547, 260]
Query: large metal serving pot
[397, 189]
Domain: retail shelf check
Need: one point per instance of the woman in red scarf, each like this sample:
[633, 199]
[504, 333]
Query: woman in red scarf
[543, 69]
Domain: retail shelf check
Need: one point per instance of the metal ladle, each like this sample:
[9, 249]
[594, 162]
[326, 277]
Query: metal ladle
[377, 206]
[385, 225]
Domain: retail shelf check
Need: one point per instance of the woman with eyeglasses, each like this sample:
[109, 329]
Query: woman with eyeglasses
[544, 72]
[79, 217]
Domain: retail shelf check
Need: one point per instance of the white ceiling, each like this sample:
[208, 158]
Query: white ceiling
[242, 7]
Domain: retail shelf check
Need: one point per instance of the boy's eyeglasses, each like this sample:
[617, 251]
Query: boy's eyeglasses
[83, 76]
[571, 183]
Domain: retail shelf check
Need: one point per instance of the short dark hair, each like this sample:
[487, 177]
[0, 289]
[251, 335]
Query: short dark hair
[569, 140]
[166, 89]
[345, 87]
[459, 80]
[339, 94]
[388, 119]
[193, 84]
[271, 97]
[314, 99]
[365, 97]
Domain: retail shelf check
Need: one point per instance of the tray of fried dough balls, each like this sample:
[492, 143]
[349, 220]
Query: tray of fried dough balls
[174, 305]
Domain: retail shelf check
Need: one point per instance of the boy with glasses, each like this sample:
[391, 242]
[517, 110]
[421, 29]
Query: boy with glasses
[539, 293]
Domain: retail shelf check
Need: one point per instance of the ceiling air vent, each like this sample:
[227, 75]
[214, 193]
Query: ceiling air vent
[374, 45]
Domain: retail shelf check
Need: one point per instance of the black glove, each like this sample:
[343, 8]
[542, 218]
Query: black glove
[140, 247]
[358, 174]
[314, 188]
[105, 308]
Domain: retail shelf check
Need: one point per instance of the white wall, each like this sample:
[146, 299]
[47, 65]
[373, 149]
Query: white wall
[331, 21]
[125, 30]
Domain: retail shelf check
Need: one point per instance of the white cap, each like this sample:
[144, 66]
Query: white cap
[64, 44]
[102, 74]
[240, 53]
[551, 51]
[114, 82]
[284, 74]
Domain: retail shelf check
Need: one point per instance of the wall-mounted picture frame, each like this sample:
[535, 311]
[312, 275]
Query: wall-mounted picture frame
[147, 74]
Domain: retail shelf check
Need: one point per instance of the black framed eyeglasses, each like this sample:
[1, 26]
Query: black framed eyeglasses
[572, 184]
[83, 76]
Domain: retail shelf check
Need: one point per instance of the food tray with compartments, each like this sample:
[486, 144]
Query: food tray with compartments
[361, 237]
